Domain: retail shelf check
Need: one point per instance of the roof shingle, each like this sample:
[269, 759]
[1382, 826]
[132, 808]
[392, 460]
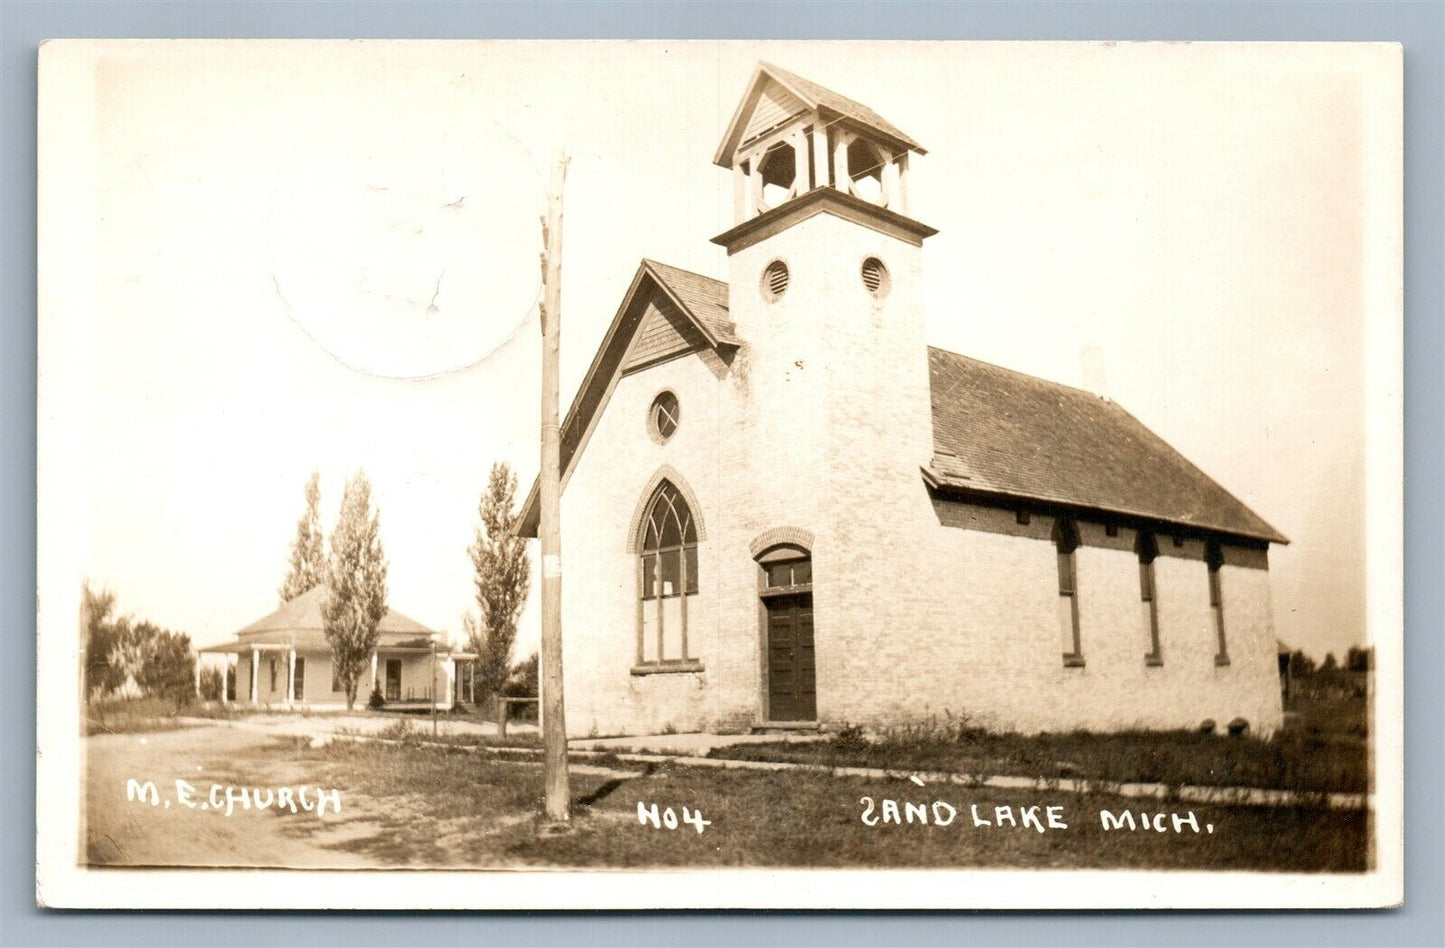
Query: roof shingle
[1001, 432]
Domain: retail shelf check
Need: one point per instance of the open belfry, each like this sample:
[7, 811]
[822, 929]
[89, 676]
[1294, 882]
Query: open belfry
[781, 508]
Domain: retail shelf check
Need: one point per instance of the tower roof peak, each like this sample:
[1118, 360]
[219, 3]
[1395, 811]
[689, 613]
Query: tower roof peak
[790, 94]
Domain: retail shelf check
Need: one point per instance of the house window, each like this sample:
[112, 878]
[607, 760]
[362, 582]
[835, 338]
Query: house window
[667, 570]
[663, 417]
[1214, 557]
[298, 688]
[1148, 550]
[1066, 541]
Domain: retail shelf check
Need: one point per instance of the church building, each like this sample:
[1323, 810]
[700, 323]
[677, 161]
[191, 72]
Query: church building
[782, 508]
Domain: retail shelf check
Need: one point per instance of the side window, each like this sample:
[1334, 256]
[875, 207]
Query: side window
[1066, 541]
[1214, 558]
[1148, 550]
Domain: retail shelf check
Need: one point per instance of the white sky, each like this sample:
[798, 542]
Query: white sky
[1195, 211]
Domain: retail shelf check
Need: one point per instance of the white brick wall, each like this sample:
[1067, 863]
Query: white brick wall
[822, 421]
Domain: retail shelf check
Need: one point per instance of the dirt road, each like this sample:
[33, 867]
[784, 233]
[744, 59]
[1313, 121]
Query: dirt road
[160, 829]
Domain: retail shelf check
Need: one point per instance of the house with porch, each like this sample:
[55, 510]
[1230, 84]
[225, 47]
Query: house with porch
[284, 661]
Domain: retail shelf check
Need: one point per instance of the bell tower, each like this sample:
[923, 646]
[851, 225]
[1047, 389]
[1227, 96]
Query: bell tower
[832, 385]
[790, 136]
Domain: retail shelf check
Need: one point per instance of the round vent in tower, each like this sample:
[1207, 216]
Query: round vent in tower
[775, 280]
[875, 277]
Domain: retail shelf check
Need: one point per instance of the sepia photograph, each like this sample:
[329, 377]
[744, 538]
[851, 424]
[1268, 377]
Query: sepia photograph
[722, 474]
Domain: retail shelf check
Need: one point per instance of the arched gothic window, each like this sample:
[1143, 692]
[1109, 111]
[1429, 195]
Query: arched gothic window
[667, 569]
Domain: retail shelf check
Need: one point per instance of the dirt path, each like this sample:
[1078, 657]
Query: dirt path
[120, 831]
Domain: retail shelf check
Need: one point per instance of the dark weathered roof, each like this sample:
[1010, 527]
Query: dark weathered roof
[1003, 433]
[702, 296]
[815, 97]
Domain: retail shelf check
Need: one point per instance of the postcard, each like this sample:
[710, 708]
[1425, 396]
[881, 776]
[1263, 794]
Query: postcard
[719, 475]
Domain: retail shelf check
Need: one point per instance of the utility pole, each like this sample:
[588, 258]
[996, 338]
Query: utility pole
[554, 725]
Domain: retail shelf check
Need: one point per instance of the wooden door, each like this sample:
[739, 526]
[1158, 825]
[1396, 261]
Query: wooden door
[792, 686]
[393, 679]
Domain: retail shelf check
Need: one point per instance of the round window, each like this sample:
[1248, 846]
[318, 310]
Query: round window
[662, 419]
[875, 277]
[775, 280]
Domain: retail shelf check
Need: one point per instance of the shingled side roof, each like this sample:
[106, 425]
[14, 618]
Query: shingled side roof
[1001, 433]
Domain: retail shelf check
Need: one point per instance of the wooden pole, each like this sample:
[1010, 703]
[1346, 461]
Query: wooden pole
[433, 687]
[554, 727]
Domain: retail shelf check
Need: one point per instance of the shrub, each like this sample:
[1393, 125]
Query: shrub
[1207, 726]
[850, 737]
[211, 684]
[1238, 727]
[523, 680]
[376, 702]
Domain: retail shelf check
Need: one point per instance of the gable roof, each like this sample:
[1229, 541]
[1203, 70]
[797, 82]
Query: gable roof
[1001, 433]
[815, 97]
[303, 614]
[700, 300]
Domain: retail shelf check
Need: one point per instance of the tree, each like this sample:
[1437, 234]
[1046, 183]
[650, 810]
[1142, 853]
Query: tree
[523, 680]
[1331, 663]
[502, 575]
[98, 629]
[1359, 659]
[356, 577]
[308, 561]
[1300, 664]
[167, 665]
[213, 683]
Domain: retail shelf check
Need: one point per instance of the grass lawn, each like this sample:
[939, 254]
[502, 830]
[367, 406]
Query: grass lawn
[1286, 762]
[144, 715]
[432, 806]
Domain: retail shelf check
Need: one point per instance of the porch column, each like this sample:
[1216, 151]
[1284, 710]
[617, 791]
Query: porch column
[373, 675]
[255, 669]
[226, 679]
[291, 680]
[198, 674]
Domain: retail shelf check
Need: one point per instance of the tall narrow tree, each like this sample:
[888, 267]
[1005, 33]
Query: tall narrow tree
[308, 560]
[356, 580]
[502, 575]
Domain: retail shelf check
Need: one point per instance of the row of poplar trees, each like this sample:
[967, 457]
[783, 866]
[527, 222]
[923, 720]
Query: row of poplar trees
[354, 574]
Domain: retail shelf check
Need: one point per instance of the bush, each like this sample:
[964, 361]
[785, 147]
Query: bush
[211, 684]
[376, 702]
[523, 680]
[850, 737]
